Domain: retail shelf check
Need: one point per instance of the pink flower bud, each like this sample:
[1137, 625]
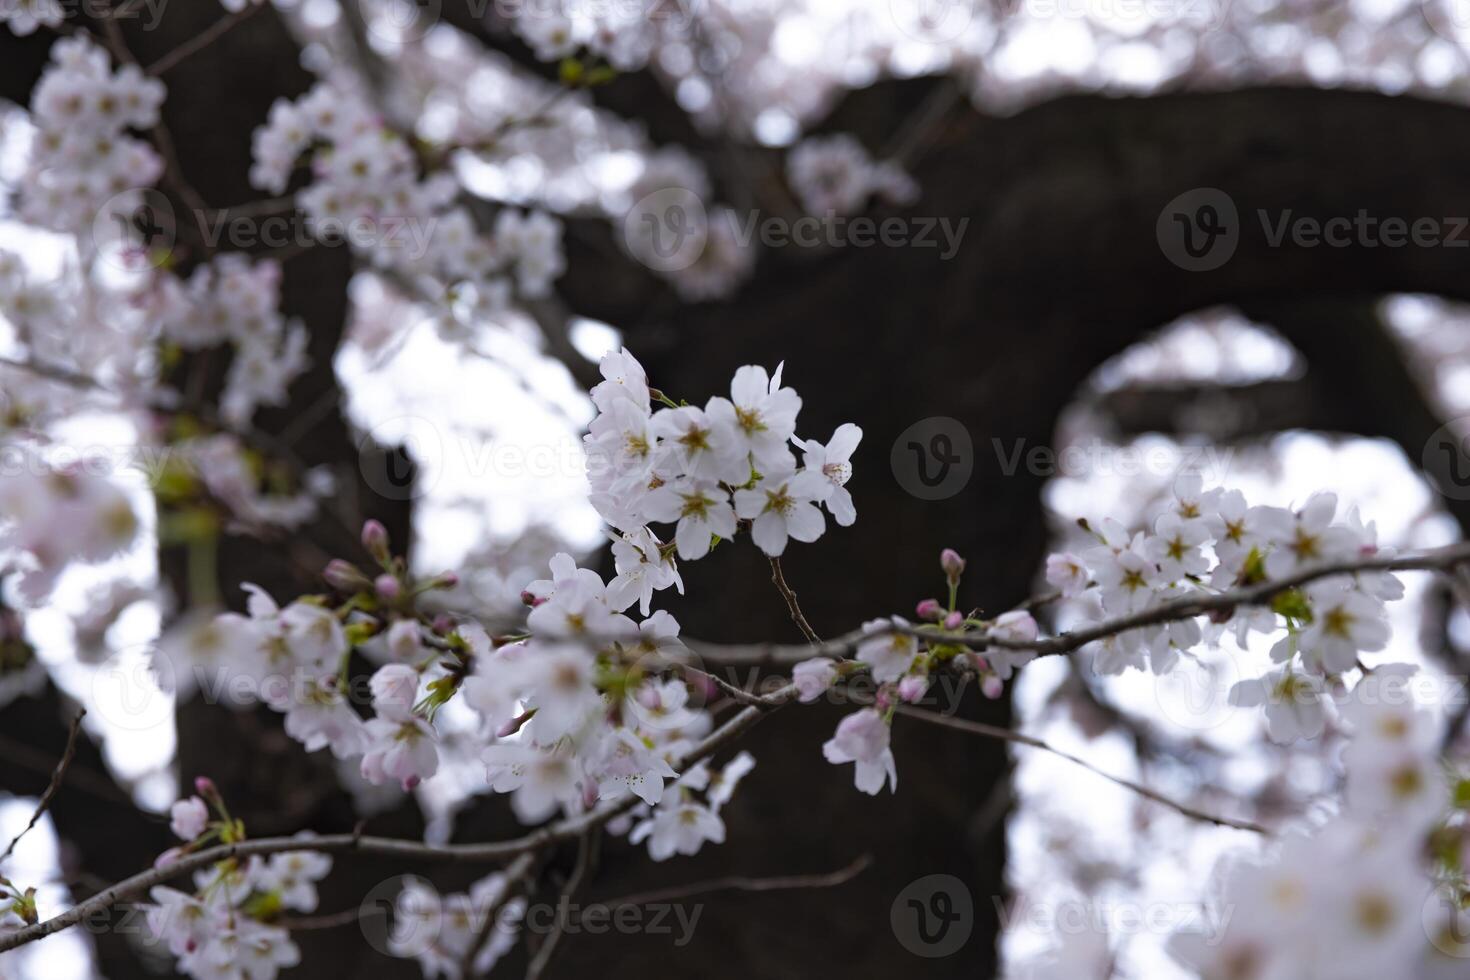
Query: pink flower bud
[387, 587]
[992, 687]
[912, 688]
[375, 539]
[883, 700]
[929, 609]
[168, 857]
[344, 576]
[954, 620]
[411, 783]
[205, 787]
[443, 624]
[447, 580]
[952, 563]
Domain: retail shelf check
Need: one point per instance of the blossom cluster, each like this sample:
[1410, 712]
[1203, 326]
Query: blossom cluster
[438, 930]
[82, 157]
[622, 35]
[228, 927]
[705, 470]
[236, 300]
[24, 16]
[1210, 541]
[366, 184]
[1358, 896]
[589, 705]
[835, 174]
[51, 517]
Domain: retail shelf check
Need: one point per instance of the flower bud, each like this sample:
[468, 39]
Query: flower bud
[912, 687]
[954, 620]
[992, 687]
[952, 563]
[375, 540]
[929, 609]
[345, 577]
[387, 587]
[205, 787]
[446, 580]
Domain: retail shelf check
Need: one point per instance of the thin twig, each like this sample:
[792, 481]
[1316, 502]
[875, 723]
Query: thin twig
[743, 883]
[519, 869]
[203, 39]
[791, 604]
[1019, 738]
[333, 920]
[586, 850]
[55, 784]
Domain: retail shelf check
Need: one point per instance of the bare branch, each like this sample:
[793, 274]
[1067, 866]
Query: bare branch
[1019, 738]
[586, 852]
[742, 883]
[55, 785]
[792, 605]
